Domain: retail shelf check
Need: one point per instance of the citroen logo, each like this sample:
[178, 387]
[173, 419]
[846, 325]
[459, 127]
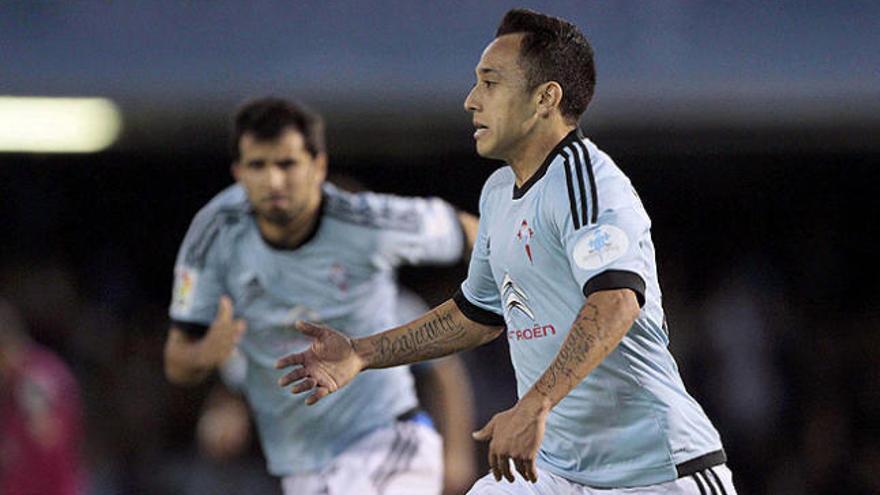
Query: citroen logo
[514, 297]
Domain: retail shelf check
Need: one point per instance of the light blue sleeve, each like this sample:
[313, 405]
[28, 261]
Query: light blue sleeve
[479, 288]
[199, 270]
[608, 253]
[422, 231]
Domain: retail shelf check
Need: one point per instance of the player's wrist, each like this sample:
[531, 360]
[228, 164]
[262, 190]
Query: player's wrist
[536, 404]
[361, 350]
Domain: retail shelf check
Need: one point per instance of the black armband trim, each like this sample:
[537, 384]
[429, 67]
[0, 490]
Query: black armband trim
[617, 279]
[191, 329]
[701, 463]
[475, 313]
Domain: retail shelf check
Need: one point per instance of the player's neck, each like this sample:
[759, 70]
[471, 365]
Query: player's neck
[298, 230]
[535, 148]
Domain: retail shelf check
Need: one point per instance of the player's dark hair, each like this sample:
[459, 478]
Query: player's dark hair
[553, 49]
[268, 118]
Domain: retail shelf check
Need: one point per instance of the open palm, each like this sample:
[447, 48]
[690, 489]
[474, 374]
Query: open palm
[327, 365]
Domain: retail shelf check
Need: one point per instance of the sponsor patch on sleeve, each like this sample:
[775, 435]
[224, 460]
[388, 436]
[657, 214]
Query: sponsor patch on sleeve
[600, 246]
[185, 280]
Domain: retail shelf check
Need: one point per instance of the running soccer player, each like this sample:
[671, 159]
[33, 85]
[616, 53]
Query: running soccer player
[563, 259]
[282, 245]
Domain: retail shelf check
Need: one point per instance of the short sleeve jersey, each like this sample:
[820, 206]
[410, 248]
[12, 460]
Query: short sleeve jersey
[577, 227]
[342, 275]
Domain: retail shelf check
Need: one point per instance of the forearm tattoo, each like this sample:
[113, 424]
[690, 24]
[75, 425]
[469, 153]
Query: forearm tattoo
[438, 336]
[586, 335]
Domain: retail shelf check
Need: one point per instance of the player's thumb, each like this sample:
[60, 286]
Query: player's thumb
[485, 433]
[224, 309]
[240, 327]
[309, 328]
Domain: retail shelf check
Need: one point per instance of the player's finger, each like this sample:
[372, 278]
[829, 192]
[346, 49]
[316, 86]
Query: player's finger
[309, 328]
[319, 394]
[224, 309]
[297, 374]
[504, 464]
[494, 464]
[290, 360]
[485, 433]
[303, 386]
[532, 470]
[520, 465]
[526, 468]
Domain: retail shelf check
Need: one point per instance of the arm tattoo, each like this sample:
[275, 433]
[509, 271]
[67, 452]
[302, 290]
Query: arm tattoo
[586, 334]
[437, 336]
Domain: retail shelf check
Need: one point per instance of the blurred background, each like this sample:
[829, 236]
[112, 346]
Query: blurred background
[750, 129]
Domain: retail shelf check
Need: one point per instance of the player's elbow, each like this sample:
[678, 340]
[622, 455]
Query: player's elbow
[178, 371]
[489, 333]
[180, 376]
[174, 372]
[621, 302]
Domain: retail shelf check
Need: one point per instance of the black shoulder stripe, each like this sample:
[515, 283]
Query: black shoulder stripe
[357, 211]
[198, 250]
[571, 200]
[588, 163]
[578, 167]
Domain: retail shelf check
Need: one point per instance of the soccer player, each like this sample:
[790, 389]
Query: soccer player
[282, 245]
[563, 259]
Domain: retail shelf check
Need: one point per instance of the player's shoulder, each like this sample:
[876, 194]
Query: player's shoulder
[582, 182]
[375, 211]
[584, 168]
[224, 213]
[502, 179]
[225, 209]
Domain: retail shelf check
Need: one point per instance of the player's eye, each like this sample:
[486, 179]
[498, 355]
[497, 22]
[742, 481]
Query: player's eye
[285, 164]
[489, 84]
[255, 164]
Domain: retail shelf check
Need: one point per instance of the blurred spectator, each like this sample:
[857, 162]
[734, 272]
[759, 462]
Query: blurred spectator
[40, 416]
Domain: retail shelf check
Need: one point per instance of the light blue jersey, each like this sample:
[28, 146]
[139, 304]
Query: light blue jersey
[343, 275]
[576, 227]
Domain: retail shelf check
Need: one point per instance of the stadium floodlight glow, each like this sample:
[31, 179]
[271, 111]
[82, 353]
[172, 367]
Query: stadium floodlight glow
[57, 125]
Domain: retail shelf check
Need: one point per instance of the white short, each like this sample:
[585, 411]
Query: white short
[717, 480]
[404, 459]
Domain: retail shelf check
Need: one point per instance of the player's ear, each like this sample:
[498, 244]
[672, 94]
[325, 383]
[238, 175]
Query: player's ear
[548, 96]
[235, 169]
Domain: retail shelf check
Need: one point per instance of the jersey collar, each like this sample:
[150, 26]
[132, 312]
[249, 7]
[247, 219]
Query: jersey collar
[574, 135]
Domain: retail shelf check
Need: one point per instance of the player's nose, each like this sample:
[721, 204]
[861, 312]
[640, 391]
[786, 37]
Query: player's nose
[470, 101]
[276, 177]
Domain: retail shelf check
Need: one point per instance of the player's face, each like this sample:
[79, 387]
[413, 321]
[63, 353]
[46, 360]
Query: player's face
[281, 177]
[501, 104]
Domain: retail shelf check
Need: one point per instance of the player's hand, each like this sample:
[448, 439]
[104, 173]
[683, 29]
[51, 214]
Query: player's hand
[222, 337]
[328, 364]
[514, 435]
